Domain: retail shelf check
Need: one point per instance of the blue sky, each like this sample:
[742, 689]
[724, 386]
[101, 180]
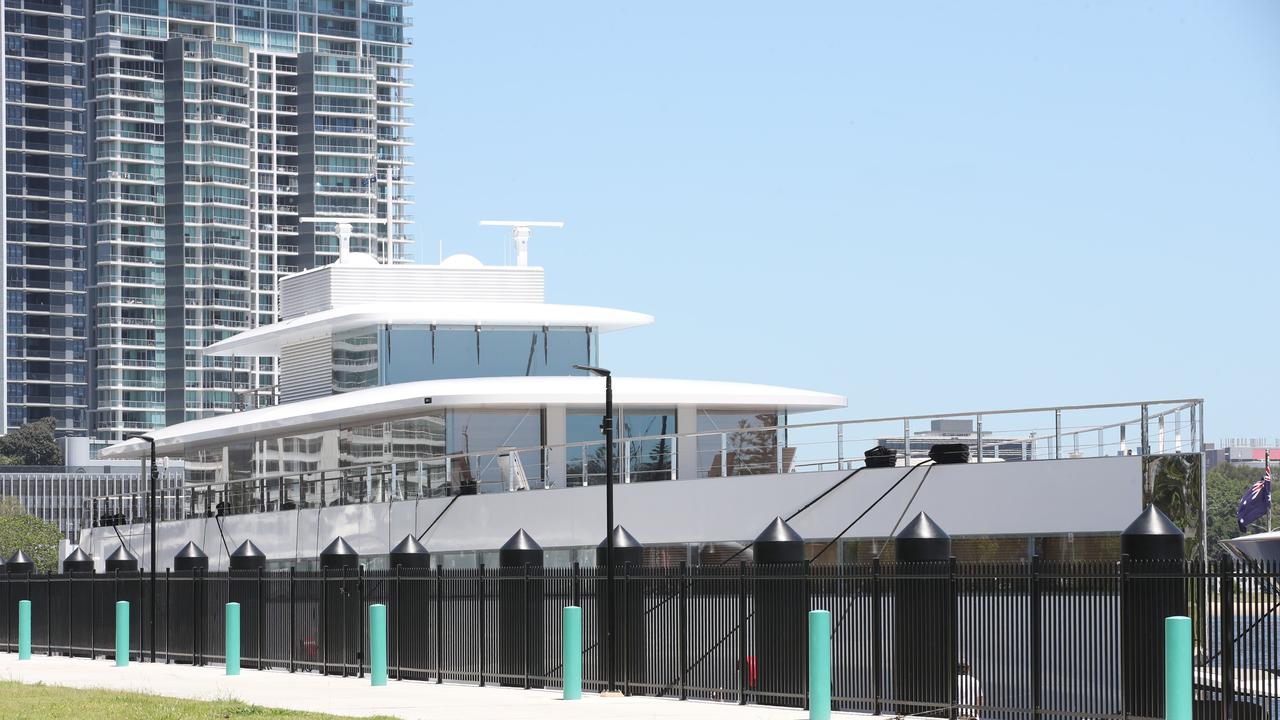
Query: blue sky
[926, 207]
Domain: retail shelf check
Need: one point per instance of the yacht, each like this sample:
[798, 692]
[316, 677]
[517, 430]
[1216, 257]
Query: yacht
[450, 402]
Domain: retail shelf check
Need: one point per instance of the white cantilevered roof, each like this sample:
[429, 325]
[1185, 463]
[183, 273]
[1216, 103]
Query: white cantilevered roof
[268, 339]
[389, 402]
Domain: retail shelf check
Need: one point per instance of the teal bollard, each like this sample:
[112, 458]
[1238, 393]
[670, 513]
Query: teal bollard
[819, 665]
[377, 645]
[233, 638]
[122, 633]
[1177, 668]
[572, 652]
[24, 629]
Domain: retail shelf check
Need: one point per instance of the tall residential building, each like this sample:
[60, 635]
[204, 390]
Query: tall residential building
[217, 131]
[45, 215]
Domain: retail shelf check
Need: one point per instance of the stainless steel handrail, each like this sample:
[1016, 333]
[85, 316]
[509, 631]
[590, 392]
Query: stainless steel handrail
[779, 440]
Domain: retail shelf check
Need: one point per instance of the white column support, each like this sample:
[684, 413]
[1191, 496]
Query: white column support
[555, 474]
[686, 465]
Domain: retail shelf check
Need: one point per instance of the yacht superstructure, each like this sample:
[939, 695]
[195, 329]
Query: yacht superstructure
[441, 400]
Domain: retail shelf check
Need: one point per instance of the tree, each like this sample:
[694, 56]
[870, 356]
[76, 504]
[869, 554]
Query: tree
[20, 530]
[32, 444]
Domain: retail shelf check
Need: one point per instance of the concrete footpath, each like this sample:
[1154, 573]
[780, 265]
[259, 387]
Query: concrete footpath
[354, 696]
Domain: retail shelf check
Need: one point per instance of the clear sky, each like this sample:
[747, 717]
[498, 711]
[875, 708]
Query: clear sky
[926, 207]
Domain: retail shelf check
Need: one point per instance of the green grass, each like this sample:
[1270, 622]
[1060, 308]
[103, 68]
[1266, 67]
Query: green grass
[46, 702]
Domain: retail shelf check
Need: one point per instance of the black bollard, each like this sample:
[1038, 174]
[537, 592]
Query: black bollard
[1153, 587]
[124, 566]
[122, 560]
[244, 571]
[410, 555]
[340, 565]
[780, 616]
[247, 557]
[408, 612]
[77, 561]
[64, 597]
[924, 631]
[628, 608]
[187, 623]
[190, 558]
[520, 607]
[339, 555]
[20, 564]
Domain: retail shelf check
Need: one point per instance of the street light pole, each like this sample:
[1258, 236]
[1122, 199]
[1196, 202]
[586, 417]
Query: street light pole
[606, 426]
[151, 613]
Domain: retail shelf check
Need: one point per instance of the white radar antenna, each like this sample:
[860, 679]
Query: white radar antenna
[344, 230]
[520, 232]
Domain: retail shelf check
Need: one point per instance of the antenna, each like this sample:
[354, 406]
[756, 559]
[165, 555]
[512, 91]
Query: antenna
[520, 232]
[344, 230]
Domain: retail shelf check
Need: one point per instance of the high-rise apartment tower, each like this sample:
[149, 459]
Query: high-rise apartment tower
[161, 158]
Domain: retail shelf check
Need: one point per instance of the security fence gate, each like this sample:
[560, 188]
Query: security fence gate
[1043, 640]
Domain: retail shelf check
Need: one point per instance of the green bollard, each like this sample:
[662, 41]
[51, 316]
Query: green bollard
[24, 629]
[122, 633]
[377, 645]
[572, 652]
[1177, 668]
[233, 638]
[820, 665]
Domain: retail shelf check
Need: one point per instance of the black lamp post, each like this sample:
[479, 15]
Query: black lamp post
[606, 426]
[151, 613]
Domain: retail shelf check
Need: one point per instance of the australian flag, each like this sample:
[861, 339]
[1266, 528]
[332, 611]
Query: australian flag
[1256, 501]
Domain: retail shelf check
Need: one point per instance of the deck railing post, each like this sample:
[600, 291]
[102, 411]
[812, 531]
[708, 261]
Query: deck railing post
[1146, 447]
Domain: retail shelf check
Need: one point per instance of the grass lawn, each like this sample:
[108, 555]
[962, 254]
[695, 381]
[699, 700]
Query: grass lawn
[46, 702]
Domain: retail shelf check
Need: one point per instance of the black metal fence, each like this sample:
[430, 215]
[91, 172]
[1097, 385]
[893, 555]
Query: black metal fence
[1041, 640]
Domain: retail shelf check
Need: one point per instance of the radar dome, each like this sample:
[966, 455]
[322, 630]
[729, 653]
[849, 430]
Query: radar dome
[358, 258]
[461, 260]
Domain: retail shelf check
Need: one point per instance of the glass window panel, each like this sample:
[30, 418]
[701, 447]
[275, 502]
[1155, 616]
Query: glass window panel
[409, 355]
[747, 451]
[649, 459]
[476, 435]
[584, 464]
[455, 354]
[567, 347]
[355, 360]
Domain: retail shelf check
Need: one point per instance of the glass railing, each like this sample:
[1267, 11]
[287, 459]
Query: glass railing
[995, 436]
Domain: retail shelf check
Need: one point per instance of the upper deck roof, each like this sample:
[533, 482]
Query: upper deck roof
[402, 400]
[269, 339]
